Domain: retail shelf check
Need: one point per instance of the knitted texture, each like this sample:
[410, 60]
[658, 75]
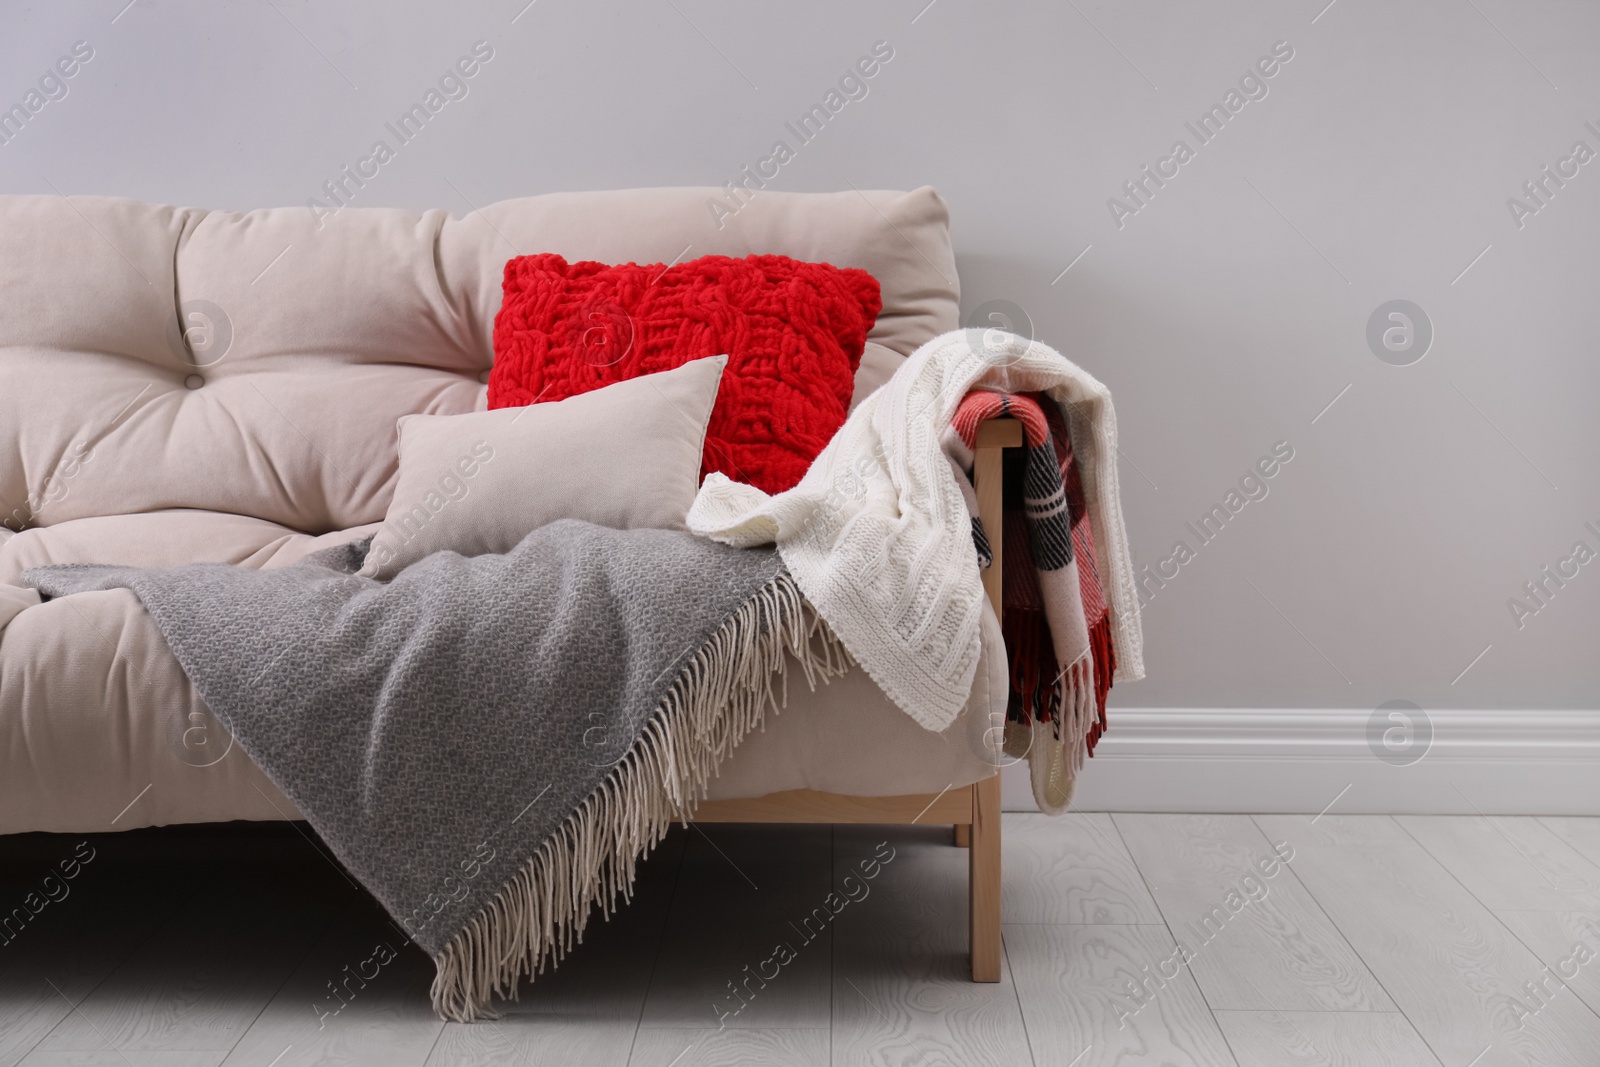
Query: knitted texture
[879, 538]
[1054, 616]
[793, 333]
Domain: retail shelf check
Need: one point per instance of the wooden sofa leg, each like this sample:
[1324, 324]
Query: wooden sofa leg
[983, 885]
[963, 834]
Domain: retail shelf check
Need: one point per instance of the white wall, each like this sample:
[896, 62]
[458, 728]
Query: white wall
[1225, 314]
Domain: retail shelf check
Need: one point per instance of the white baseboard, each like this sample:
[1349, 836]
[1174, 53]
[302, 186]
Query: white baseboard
[1297, 761]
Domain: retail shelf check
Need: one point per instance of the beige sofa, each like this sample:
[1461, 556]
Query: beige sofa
[180, 385]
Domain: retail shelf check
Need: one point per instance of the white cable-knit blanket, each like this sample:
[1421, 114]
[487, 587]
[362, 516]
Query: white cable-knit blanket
[878, 536]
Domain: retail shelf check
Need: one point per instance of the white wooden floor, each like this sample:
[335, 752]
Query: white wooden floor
[1453, 942]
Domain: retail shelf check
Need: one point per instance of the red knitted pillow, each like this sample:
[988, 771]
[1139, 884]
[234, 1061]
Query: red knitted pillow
[793, 333]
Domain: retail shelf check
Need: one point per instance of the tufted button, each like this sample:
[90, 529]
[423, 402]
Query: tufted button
[484, 377]
[193, 381]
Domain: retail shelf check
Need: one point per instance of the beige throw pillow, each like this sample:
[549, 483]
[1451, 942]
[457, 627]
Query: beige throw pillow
[626, 456]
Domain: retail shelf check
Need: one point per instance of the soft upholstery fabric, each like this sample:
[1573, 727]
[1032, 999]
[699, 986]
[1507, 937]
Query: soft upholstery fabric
[380, 313]
[13, 600]
[102, 731]
[96, 709]
[626, 456]
[794, 334]
[122, 443]
[164, 539]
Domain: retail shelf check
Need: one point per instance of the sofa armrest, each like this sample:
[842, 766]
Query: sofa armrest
[982, 835]
[994, 437]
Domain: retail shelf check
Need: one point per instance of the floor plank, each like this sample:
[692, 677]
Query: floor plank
[133, 1058]
[1568, 944]
[114, 904]
[1509, 863]
[184, 991]
[742, 890]
[1355, 831]
[1098, 995]
[1453, 968]
[184, 988]
[321, 1014]
[1259, 940]
[733, 1047]
[1544, 891]
[1069, 869]
[1324, 1039]
[586, 1010]
[535, 1040]
[1582, 833]
[177, 941]
[902, 988]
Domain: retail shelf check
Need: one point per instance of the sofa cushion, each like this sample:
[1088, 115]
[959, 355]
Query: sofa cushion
[93, 706]
[13, 599]
[159, 358]
[100, 729]
[181, 385]
[164, 539]
[793, 333]
[626, 456]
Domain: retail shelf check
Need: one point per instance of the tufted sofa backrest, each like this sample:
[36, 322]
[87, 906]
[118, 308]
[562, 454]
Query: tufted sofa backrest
[155, 357]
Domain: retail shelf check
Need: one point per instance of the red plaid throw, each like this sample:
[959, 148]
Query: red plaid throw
[1054, 613]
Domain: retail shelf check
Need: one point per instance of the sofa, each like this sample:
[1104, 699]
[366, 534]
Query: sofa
[181, 385]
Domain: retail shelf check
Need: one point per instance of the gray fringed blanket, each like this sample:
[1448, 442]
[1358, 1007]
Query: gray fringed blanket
[488, 743]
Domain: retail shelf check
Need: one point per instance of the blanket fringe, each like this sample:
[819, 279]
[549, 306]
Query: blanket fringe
[723, 693]
[1105, 658]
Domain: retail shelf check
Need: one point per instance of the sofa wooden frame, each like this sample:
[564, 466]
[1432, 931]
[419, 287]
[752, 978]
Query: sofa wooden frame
[973, 810]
